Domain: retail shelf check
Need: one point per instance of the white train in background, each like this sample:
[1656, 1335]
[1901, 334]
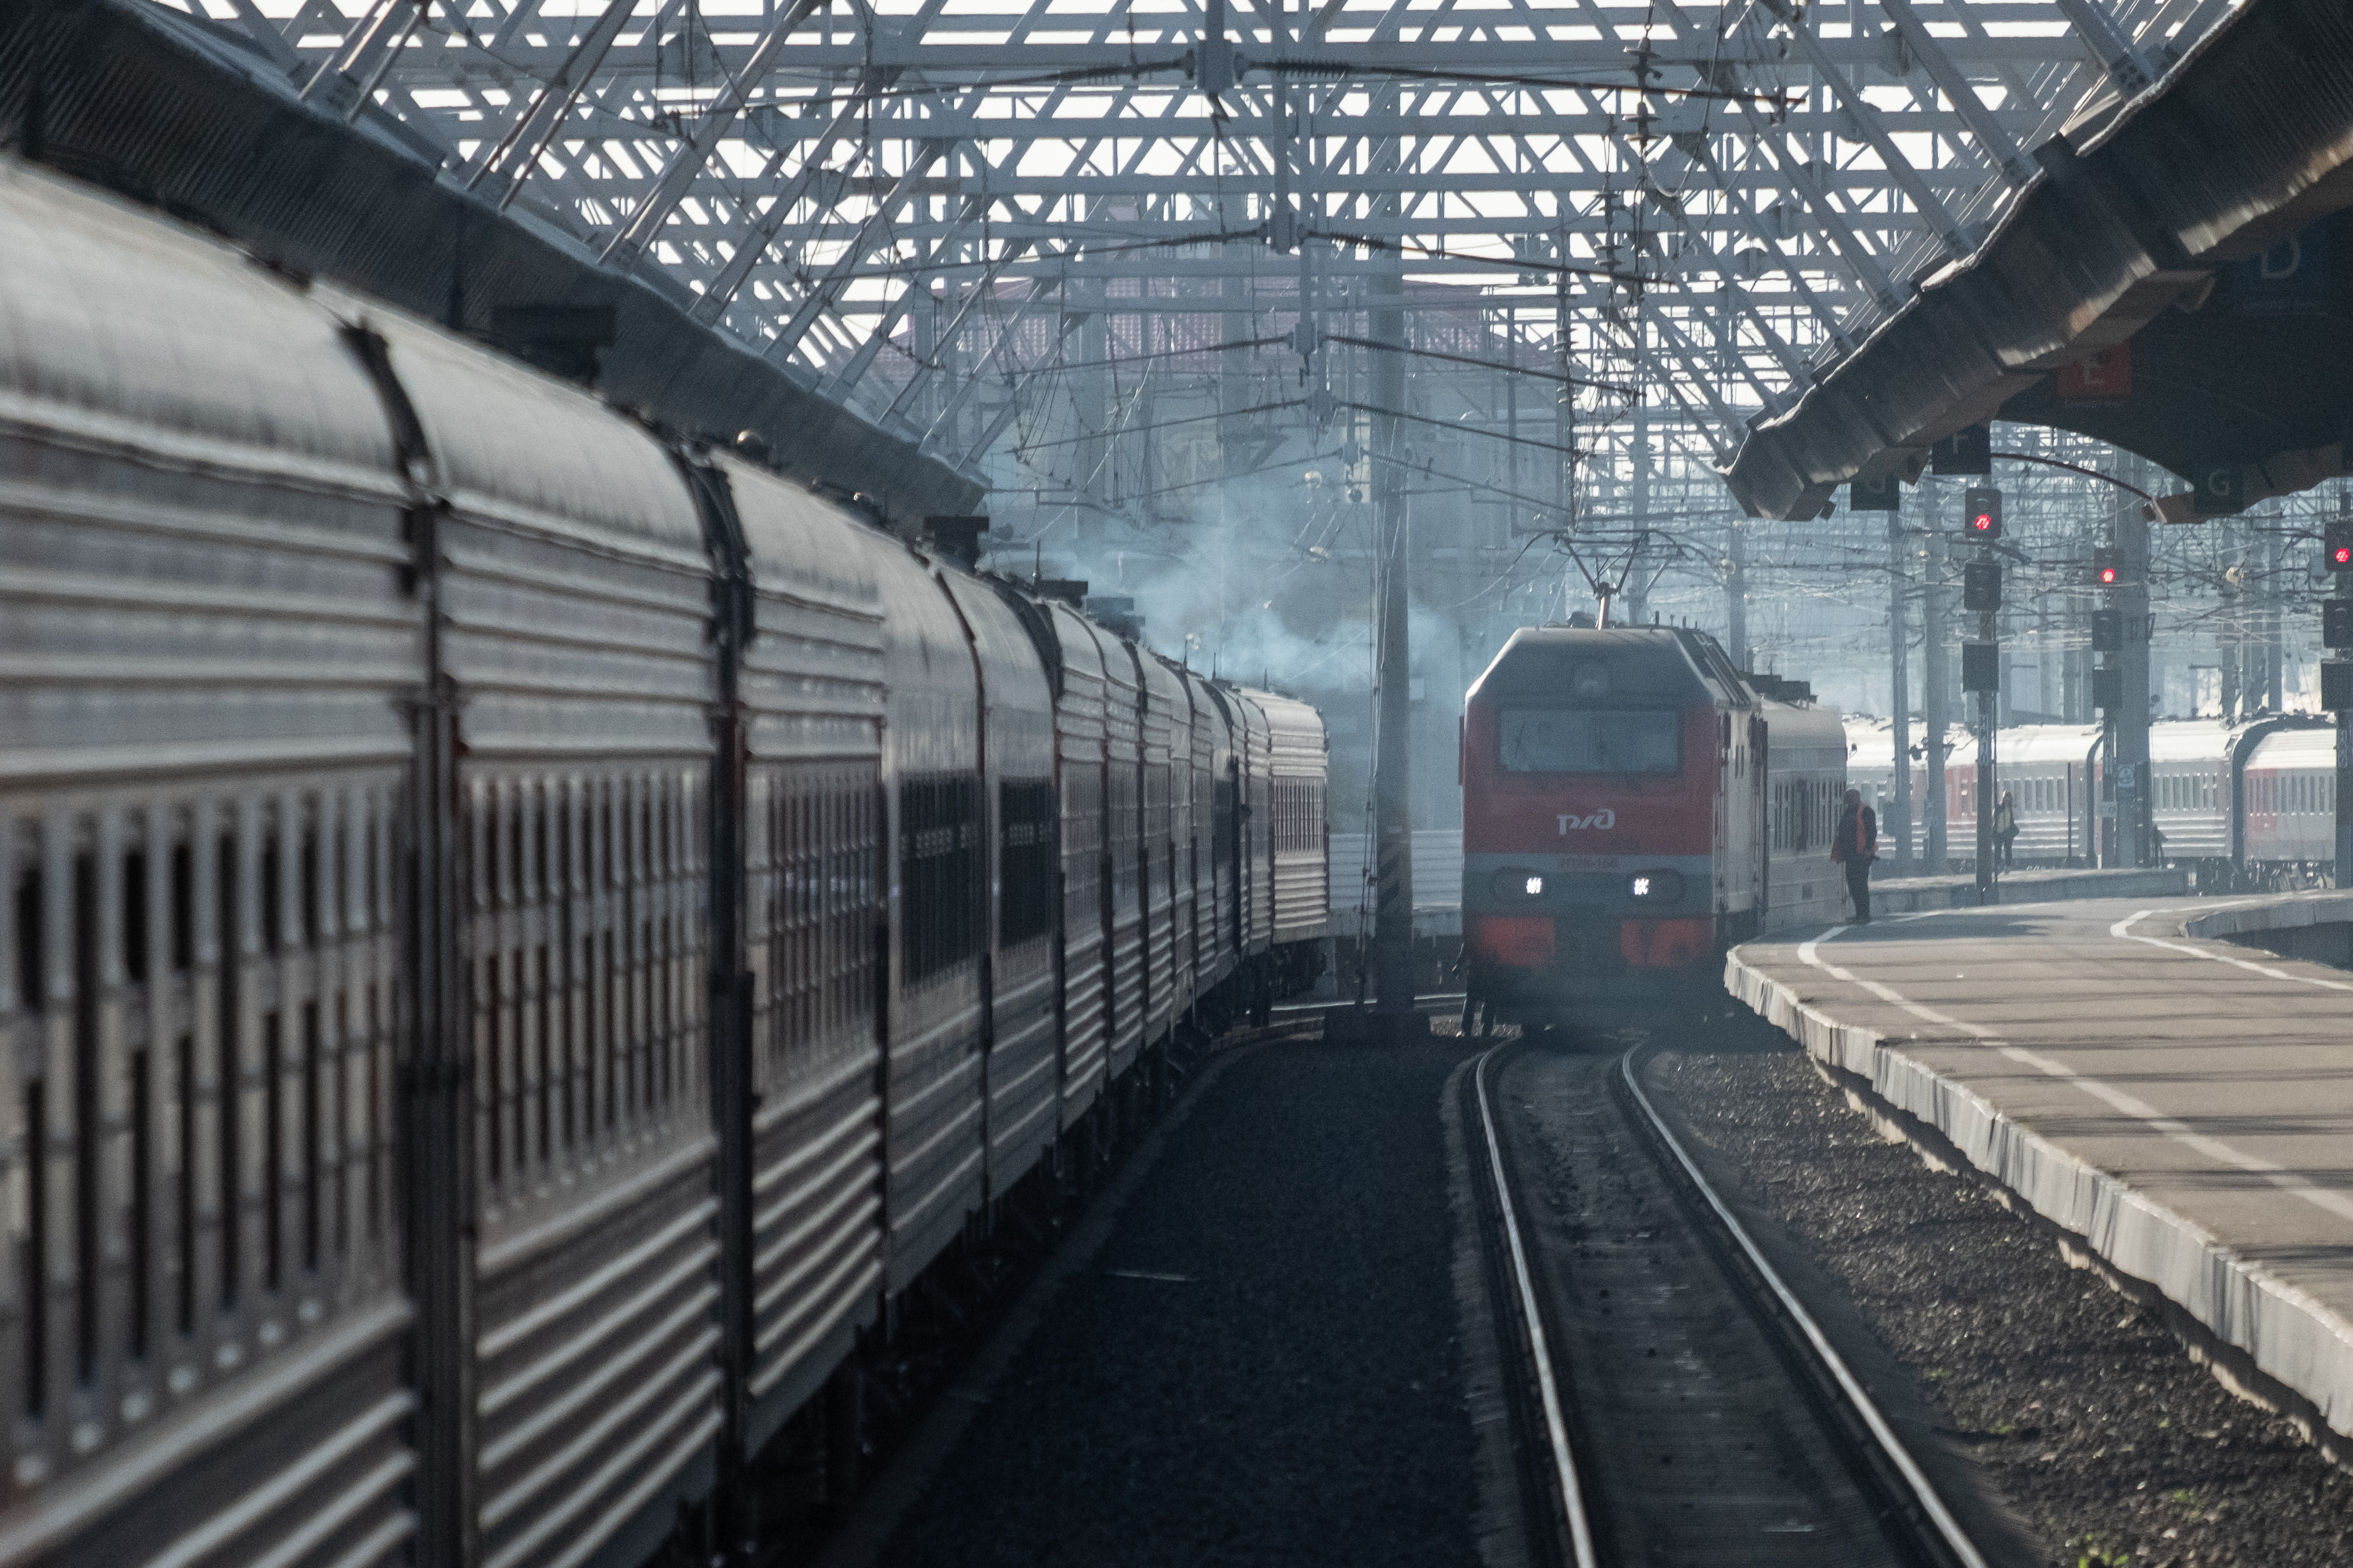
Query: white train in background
[2249, 804]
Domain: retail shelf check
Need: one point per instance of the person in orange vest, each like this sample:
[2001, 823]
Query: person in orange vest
[1855, 846]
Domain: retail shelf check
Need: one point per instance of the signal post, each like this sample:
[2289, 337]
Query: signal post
[2107, 684]
[1981, 659]
[2337, 679]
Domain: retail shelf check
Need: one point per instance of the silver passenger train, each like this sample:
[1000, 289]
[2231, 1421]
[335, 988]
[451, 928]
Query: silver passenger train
[520, 935]
[2247, 805]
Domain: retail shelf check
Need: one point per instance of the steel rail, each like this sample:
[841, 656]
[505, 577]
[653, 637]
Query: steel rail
[1572, 1495]
[1955, 1540]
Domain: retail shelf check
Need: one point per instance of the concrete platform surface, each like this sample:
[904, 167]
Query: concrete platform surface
[2182, 1104]
[2033, 884]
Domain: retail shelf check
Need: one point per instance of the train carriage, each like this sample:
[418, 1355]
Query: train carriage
[211, 637]
[568, 574]
[1806, 764]
[1298, 843]
[2189, 788]
[932, 1123]
[519, 935]
[810, 685]
[2051, 774]
[1016, 884]
[2288, 805]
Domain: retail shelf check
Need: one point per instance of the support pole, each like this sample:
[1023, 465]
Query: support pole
[2344, 719]
[1393, 752]
[1936, 686]
[1988, 726]
[1899, 686]
[2131, 753]
[1736, 598]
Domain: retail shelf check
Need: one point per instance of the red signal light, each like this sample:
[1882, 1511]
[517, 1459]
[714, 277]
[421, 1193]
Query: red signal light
[2341, 557]
[1981, 512]
[2107, 576]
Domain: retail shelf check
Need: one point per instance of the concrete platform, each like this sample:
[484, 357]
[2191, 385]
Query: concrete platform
[2181, 1105]
[1906, 895]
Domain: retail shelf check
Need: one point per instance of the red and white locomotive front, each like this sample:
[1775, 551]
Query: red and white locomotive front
[1610, 829]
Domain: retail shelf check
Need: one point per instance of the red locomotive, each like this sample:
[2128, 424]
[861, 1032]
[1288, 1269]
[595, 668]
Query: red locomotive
[1632, 805]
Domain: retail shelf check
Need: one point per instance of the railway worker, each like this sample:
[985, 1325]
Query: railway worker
[1855, 846]
[2005, 828]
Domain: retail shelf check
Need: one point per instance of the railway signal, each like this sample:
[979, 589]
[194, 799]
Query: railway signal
[1982, 666]
[2339, 546]
[2107, 631]
[2107, 566]
[1981, 513]
[2337, 622]
[1981, 585]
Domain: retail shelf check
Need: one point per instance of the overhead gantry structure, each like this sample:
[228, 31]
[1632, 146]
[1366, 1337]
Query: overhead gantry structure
[922, 205]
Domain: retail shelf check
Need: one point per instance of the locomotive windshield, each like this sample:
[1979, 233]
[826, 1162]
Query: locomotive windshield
[1591, 740]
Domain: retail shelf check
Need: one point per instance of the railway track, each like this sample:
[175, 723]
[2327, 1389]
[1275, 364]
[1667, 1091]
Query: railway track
[1678, 1404]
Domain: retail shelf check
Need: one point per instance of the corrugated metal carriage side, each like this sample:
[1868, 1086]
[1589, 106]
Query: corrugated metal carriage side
[1123, 839]
[1255, 747]
[205, 772]
[933, 1136]
[812, 683]
[574, 594]
[1300, 879]
[1189, 796]
[1017, 797]
[696, 783]
[1084, 994]
[1166, 715]
[1221, 834]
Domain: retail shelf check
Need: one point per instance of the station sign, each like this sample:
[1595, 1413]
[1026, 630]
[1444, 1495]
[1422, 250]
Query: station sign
[1965, 451]
[1884, 493]
[2103, 377]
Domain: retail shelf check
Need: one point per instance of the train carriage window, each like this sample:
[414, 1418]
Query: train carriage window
[1583, 741]
[1025, 859]
[939, 871]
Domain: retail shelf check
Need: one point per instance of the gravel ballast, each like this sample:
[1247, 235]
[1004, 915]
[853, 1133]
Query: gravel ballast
[1261, 1366]
[2106, 1442]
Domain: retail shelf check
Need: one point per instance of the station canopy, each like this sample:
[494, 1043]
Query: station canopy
[1809, 239]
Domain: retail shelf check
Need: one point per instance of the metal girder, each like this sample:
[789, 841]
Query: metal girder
[1057, 141]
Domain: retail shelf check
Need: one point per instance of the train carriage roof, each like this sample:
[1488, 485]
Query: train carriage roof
[2028, 745]
[1295, 733]
[2190, 741]
[2299, 749]
[135, 334]
[1803, 735]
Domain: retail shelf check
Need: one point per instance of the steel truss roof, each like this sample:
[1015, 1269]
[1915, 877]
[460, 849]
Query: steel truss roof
[1714, 201]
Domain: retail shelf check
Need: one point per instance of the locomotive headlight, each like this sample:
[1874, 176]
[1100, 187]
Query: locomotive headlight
[1517, 882]
[1655, 886]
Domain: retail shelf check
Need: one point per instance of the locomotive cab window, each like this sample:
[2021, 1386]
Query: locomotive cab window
[1591, 740]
